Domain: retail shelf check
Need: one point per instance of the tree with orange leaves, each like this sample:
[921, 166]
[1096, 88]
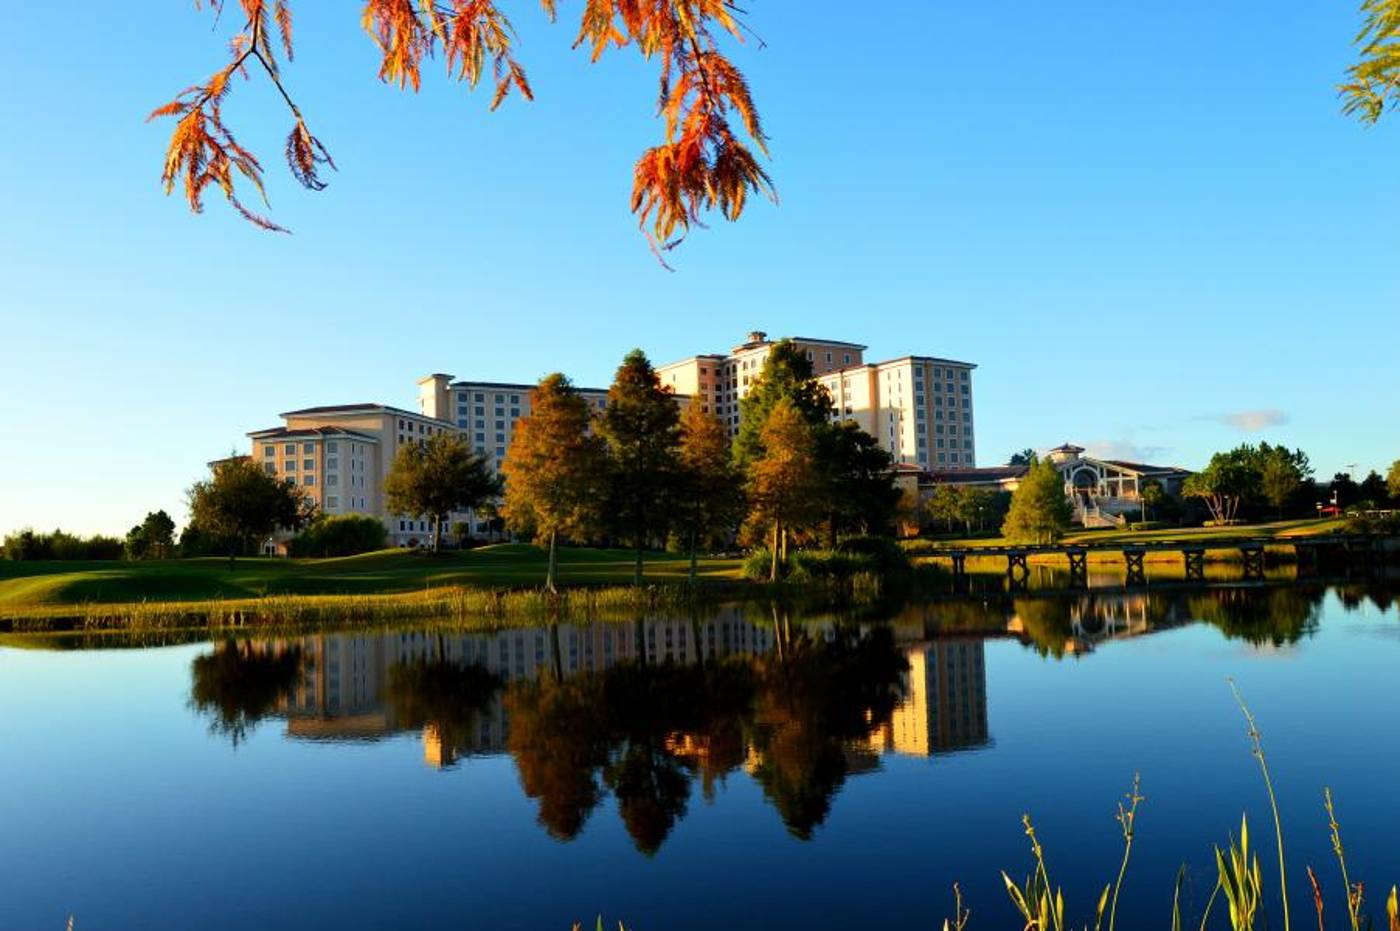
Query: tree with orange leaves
[701, 164]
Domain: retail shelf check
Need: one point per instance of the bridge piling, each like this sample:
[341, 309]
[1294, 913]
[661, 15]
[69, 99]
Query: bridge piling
[1195, 560]
[1132, 562]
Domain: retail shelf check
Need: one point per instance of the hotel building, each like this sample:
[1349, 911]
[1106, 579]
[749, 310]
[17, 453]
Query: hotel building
[918, 407]
[340, 454]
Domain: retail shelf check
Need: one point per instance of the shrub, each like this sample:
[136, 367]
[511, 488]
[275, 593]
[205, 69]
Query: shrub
[342, 535]
[1148, 525]
[758, 563]
[919, 547]
[884, 555]
[828, 565]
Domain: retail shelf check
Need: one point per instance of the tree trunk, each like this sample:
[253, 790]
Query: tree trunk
[773, 569]
[552, 571]
[694, 553]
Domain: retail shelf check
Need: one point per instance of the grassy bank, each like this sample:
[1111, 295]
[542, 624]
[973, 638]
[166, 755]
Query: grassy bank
[487, 581]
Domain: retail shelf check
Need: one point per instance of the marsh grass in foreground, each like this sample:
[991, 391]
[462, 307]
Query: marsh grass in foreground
[1239, 877]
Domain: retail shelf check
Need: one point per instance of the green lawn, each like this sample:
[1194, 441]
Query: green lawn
[35, 584]
[1281, 530]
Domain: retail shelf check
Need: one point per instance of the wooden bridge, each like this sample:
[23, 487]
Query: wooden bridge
[1310, 552]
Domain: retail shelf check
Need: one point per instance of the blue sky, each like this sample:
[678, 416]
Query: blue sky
[1149, 226]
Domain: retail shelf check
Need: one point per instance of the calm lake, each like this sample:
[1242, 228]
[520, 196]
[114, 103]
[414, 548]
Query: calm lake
[747, 768]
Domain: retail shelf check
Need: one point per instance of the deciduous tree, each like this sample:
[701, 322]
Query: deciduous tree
[641, 428]
[240, 502]
[709, 495]
[437, 476]
[701, 165]
[785, 483]
[1392, 479]
[1025, 457]
[555, 469]
[1039, 512]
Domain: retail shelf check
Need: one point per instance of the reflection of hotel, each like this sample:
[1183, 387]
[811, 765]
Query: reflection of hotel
[945, 701]
[343, 693]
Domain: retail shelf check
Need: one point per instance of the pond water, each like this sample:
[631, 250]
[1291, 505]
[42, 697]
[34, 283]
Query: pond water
[747, 768]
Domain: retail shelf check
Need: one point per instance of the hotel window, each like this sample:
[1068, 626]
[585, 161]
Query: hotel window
[480, 412]
[332, 480]
[500, 412]
[480, 424]
[308, 464]
[500, 399]
[480, 396]
[828, 357]
[514, 412]
[965, 389]
[332, 447]
[938, 428]
[515, 399]
[923, 442]
[332, 502]
[940, 442]
[500, 426]
[270, 468]
[480, 450]
[500, 452]
[308, 479]
[333, 462]
[289, 466]
[481, 438]
[967, 417]
[967, 444]
[847, 359]
[400, 423]
[269, 451]
[290, 449]
[462, 422]
[964, 375]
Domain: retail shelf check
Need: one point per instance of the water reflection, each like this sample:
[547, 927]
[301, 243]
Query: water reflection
[652, 711]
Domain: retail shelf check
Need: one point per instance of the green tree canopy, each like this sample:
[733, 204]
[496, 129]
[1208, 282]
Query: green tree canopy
[153, 538]
[1039, 512]
[439, 475]
[786, 375]
[240, 502]
[555, 469]
[1025, 457]
[641, 428]
[1392, 479]
[860, 496]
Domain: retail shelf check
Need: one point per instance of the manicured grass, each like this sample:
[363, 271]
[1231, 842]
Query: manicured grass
[25, 586]
[1280, 530]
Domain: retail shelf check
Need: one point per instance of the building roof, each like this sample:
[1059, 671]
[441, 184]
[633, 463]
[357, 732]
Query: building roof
[515, 386]
[970, 365]
[978, 475]
[1144, 468]
[281, 433]
[353, 408]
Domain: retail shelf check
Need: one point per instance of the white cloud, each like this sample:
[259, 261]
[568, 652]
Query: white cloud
[1254, 421]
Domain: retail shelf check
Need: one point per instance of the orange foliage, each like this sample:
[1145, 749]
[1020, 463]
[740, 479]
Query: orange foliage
[700, 165]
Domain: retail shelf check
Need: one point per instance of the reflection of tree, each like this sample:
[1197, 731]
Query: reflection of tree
[239, 684]
[645, 731]
[444, 696]
[558, 739]
[814, 701]
[1047, 622]
[1277, 616]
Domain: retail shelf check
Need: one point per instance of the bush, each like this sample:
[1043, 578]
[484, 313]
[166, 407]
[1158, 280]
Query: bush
[1234, 522]
[829, 565]
[342, 535]
[28, 545]
[1148, 525]
[883, 554]
[1364, 524]
[758, 564]
[920, 547]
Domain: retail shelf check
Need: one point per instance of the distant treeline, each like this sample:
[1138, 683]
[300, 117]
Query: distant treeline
[30, 544]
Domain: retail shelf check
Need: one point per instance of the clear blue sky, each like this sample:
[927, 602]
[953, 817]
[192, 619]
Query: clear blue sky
[1150, 227]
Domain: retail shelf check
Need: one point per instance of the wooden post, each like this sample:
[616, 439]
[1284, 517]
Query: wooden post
[1132, 560]
[1253, 555]
[1078, 566]
[1195, 558]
